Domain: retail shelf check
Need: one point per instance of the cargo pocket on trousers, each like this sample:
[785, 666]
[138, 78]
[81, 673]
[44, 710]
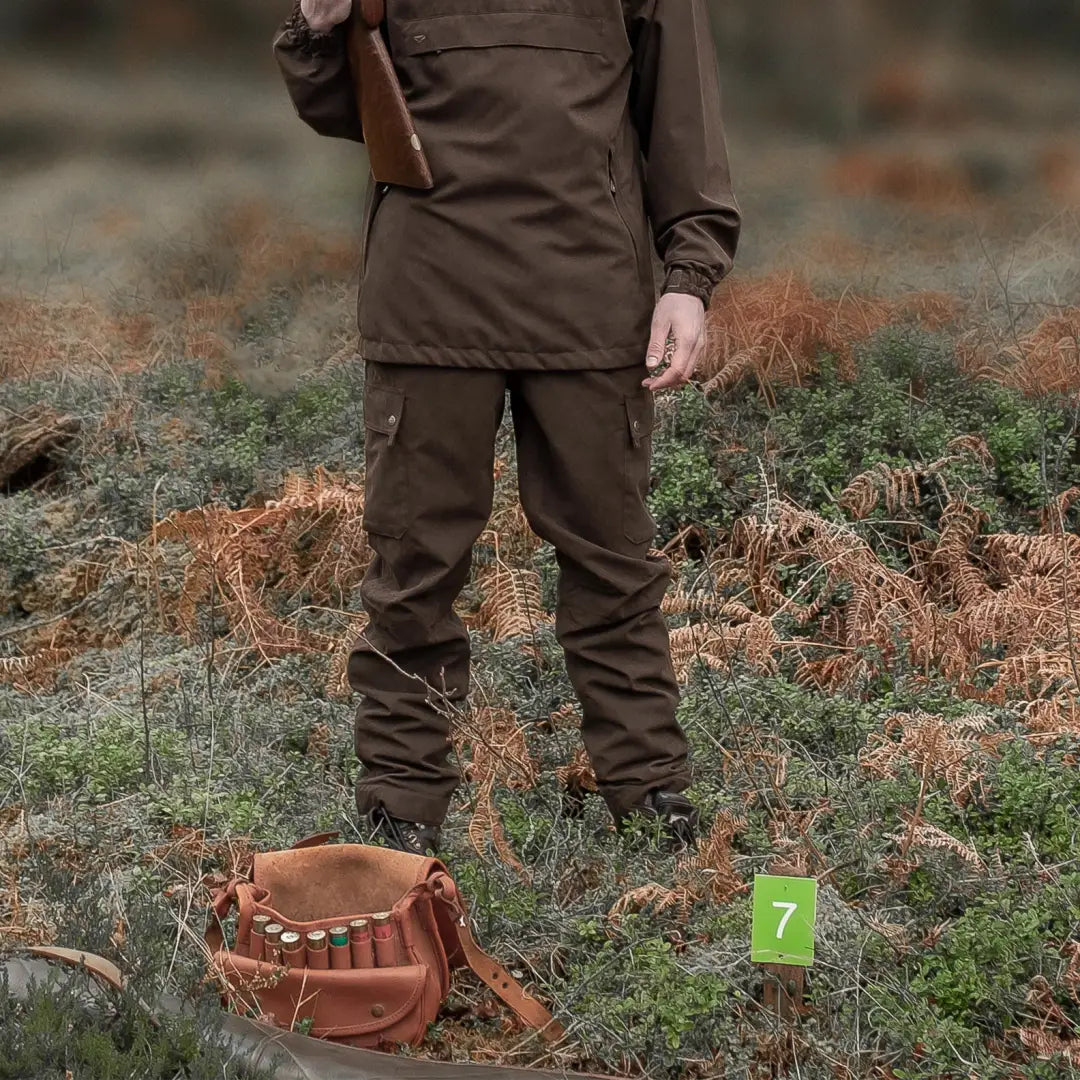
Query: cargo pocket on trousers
[638, 524]
[386, 482]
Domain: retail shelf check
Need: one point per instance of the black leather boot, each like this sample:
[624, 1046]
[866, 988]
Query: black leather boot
[676, 815]
[411, 837]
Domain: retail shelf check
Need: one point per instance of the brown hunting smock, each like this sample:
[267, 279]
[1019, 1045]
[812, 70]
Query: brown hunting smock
[573, 143]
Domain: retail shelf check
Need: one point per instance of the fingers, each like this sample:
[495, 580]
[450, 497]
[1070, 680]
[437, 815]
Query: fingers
[680, 371]
[677, 341]
[658, 339]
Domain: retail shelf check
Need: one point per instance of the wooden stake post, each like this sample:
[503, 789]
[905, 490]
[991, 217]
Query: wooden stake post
[782, 941]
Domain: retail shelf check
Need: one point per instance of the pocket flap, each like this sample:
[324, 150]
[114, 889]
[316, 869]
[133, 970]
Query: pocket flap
[641, 416]
[538, 29]
[383, 406]
[338, 1003]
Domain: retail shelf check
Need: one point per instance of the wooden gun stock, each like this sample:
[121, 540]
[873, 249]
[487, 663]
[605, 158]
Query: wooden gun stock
[393, 145]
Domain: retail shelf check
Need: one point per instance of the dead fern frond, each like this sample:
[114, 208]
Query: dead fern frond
[509, 531]
[658, 897]
[1070, 979]
[513, 606]
[1048, 719]
[900, 488]
[951, 561]
[954, 752]
[1053, 516]
[833, 672]
[308, 541]
[486, 824]
[1015, 595]
[736, 632]
[1045, 1044]
[896, 934]
[565, 716]
[337, 677]
[923, 834]
[500, 756]
[1044, 361]
[713, 867]
[777, 328]
[578, 776]
[38, 671]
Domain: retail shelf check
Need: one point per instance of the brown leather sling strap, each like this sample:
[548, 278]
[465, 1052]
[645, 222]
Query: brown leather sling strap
[497, 978]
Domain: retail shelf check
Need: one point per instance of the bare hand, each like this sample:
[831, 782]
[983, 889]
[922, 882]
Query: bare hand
[678, 337]
[323, 15]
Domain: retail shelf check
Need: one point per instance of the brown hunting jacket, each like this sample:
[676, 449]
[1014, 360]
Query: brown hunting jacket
[569, 141]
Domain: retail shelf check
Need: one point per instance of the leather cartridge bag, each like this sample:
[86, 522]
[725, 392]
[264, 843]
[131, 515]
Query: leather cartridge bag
[394, 148]
[317, 888]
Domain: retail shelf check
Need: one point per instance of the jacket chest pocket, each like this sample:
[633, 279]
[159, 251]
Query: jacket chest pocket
[495, 27]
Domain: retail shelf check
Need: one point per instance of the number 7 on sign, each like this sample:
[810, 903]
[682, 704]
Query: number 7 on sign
[790, 910]
[776, 937]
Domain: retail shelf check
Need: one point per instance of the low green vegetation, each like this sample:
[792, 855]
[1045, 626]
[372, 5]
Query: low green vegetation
[152, 759]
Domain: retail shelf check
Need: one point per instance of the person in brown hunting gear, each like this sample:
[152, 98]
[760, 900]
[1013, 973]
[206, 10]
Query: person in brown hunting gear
[572, 144]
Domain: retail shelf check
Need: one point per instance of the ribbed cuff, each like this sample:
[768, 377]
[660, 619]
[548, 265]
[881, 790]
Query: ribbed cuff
[309, 42]
[691, 280]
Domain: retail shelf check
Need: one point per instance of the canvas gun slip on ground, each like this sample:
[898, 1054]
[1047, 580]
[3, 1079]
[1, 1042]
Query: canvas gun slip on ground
[412, 930]
[284, 1055]
[394, 148]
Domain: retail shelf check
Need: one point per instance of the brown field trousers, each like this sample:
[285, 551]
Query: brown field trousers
[584, 441]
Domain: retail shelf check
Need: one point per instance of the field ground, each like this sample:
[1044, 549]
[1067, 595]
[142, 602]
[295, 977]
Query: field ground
[871, 504]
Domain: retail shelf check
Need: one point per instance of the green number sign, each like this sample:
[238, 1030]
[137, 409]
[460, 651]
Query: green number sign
[783, 929]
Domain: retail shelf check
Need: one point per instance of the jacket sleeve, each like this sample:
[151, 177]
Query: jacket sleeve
[316, 71]
[675, 103]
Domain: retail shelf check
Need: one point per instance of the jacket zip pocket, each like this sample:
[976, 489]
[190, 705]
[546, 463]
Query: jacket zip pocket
[375, 195]
[614, 187]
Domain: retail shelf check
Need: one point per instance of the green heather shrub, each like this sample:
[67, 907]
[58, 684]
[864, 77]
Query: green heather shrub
[973, 985]
[69, 1027]
[717, 459]
[99, 761]
[23, 539]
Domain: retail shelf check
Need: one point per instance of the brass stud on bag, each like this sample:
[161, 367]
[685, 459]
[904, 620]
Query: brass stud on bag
[377, 1010]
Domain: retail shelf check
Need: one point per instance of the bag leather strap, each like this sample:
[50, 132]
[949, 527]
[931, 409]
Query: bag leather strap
[315, 840]
[490, 971]
[239, 892]
[103, 970]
